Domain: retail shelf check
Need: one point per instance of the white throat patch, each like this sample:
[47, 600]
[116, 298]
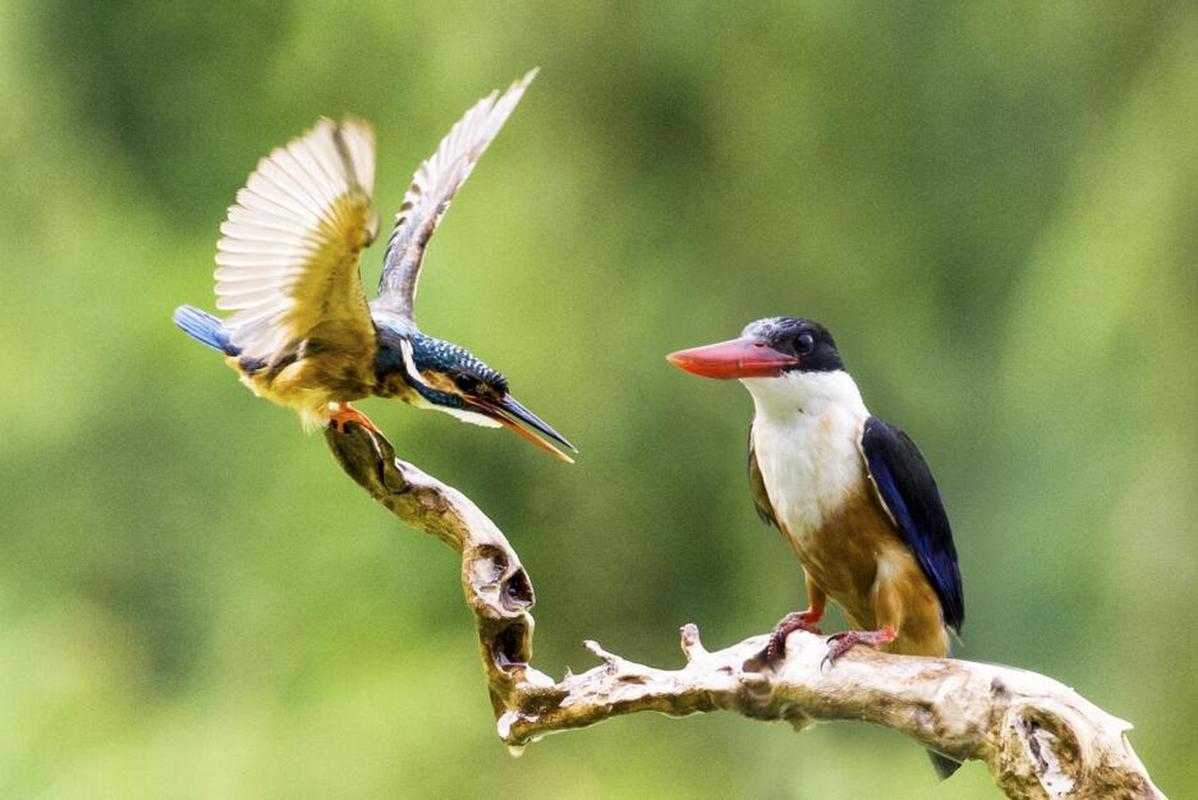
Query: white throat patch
[808, 392]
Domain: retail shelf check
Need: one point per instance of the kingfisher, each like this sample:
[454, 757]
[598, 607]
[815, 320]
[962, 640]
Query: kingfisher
[852, 495]
[302, 333]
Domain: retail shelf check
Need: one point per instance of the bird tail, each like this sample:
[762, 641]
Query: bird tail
[205, 329]
[944, 766]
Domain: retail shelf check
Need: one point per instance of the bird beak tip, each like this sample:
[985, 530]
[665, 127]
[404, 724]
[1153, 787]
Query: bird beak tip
[514, 416]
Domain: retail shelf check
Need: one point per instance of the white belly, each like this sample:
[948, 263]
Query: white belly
[811, 465]
[806, 433]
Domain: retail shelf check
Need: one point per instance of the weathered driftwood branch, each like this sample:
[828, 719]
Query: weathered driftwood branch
[1039, 738]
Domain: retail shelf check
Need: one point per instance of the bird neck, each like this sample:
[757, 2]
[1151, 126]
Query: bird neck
[800, 393]
[398, 374]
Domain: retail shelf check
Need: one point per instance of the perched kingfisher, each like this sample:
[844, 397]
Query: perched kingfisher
[852, 495]
[302, 333]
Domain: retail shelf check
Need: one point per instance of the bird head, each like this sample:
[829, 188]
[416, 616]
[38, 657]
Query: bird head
[783, 361]
[767, 348]
[450, 379]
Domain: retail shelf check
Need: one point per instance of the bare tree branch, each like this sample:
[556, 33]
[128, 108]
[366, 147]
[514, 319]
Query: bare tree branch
[1039, 738]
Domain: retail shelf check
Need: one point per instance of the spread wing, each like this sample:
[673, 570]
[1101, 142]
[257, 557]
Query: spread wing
[908, 492]
[433, 187]
[761, 500]
[287, 264]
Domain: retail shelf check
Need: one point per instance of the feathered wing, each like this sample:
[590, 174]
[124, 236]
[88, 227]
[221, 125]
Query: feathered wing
[287, 264]
[905, 487]
[761, 499]
[433, 187]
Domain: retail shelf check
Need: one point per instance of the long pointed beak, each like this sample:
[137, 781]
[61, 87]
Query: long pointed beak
[512, 414]
[745, 357]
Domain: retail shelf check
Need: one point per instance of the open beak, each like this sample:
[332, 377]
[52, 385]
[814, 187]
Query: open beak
[510, 413]
[736, 358]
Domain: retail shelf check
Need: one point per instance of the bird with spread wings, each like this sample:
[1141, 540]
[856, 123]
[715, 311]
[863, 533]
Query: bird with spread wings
[301, 332]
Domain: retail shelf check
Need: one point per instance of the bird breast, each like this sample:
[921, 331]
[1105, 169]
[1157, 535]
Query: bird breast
[811, 467]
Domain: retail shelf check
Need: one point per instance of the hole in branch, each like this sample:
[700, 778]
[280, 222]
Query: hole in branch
[509, 647]
[489, 563]
[517, 590]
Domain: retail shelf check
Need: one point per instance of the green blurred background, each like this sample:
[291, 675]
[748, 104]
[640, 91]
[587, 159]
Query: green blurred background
[992, 207]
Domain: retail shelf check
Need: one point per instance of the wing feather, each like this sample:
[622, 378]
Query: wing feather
[433, 187]
[906, 489]
[287, 262]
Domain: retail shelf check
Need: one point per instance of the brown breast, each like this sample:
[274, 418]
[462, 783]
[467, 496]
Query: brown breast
[864, 566]
[842, 557]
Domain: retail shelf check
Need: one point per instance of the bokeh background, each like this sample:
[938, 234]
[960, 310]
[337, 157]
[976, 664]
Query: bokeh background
[992, 206]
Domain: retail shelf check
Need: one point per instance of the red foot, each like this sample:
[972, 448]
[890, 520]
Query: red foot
[794, 621]
[841, 643]
[348, 414]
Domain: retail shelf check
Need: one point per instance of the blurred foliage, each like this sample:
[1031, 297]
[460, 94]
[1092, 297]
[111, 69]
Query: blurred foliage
[992, 205]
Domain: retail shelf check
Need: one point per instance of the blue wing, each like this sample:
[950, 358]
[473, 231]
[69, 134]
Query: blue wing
[908, 491]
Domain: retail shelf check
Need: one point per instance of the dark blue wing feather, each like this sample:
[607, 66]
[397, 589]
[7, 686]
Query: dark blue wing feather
[906, 487]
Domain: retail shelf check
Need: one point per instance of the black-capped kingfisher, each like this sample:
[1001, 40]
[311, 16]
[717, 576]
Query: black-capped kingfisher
[301, 333]
[852, 494]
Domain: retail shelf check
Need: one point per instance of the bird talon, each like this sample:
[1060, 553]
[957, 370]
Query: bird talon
[794, 621]
[346, 414]
[844, 641]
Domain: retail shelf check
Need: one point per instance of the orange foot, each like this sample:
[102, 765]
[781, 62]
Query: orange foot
[347, 414]
[794, 621]
[841, 643]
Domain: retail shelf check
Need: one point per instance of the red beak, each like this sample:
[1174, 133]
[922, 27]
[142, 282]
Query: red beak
[735, 358]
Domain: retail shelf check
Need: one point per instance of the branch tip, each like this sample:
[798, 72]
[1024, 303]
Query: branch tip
[610, 659]
[692, 645]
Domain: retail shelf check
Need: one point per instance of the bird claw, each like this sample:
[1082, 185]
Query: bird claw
[841, 643]
[340, 418]
[794, 621]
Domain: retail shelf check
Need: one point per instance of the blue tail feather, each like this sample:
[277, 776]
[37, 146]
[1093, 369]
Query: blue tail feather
[204, 328]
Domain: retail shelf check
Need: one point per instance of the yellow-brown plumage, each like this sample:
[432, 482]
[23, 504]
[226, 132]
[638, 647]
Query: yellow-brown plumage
[859, 561]
[302, 333]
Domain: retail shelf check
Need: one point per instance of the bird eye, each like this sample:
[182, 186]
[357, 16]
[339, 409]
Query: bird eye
[805, 342]
[467, 383]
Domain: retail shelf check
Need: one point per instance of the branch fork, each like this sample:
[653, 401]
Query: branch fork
[1039, 738]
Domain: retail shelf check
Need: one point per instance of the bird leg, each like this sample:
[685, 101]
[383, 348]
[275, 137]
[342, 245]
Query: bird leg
[794, 621]
[817, 601]
[841, 643]
[345, 414]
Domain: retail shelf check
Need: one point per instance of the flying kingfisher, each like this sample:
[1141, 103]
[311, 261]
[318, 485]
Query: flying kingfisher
[301, 333]
[852, 495]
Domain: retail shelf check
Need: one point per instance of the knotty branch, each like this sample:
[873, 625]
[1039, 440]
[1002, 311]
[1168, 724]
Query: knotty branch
[1039, 738]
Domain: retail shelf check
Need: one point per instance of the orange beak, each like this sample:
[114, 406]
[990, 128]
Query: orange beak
[736, 358]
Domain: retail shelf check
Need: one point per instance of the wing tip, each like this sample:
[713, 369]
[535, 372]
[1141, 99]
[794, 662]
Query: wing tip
[528, 77]
[513, 94]
[356, 125]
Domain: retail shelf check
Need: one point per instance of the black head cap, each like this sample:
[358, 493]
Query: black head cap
[447, 363]
[806, 339]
